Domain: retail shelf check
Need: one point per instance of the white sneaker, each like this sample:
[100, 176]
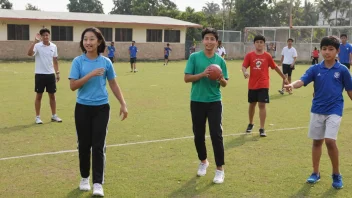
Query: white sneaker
[84, 184]
[219, 177]
[38, 120]
[202, 169]
[98, 190]
[55, 118]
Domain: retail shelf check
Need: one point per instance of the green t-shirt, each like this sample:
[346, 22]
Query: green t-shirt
[205, 90]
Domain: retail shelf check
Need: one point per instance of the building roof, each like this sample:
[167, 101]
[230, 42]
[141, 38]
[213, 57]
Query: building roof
[92, 17]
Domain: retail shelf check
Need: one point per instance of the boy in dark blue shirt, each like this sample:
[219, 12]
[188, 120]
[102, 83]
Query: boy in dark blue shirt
[167, 50]
[330, 77]
[345, 54]
[132, 50]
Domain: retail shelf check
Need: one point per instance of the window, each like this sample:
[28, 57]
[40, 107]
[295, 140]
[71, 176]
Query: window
[107, 33]
[154, 35]
[123, 34]
[17, 32]
[172, 36]
[62, 33]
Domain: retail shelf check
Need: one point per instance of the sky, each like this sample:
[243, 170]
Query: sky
[61, 5]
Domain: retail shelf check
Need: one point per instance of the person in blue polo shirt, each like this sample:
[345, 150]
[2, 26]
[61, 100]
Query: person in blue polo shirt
[89, 73]
[133, 56]
[167, 50]
[330, 77]
[345, 54]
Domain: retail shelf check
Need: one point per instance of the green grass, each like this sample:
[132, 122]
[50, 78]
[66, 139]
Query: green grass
[158, 104]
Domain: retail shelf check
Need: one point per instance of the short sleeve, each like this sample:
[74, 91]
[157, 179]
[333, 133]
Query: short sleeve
[294, 52]
[271, 62]
[308, 77]
[190, 65]
[224, 70]
[223, 50]
[35, 50]
[346, 77]
[75, 69]
[55, 52]
[350, 49]
[246, 61]
[282, 52]
[110, 71]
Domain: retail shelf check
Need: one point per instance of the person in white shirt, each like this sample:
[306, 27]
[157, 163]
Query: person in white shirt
[220, 50]
[46, 71]
[288, 60]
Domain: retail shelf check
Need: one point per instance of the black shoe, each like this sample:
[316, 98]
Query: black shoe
[262, 133]
[281, 91]
[250, 128]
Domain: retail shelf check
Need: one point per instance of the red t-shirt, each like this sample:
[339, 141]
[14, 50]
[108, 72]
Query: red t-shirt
[259, 71]
[315, 54]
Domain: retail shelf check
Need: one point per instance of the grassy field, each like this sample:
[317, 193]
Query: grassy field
[158, 104]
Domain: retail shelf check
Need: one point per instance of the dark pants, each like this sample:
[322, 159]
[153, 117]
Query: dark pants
[201, 111]
[91, 126]
[314, 61]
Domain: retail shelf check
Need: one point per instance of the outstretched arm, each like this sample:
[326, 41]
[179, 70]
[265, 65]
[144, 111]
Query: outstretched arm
[349, 93]
[298, 84]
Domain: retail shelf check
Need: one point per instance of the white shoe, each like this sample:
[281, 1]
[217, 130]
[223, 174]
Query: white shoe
[38, 120]
[219, 177]
[84, 184]
[98, 190]
[202, 169]
[55, 118]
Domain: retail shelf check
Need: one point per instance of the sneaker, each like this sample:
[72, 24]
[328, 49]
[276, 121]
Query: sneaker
[219, 177]
[249, 128]
[84, 184]
[337, 181]
[55, 118]
[202, 169]
[98, 190]
[281, 91]
[38, 120]
[135, 70]
[262, 133]
[290, 92]
[314, 178]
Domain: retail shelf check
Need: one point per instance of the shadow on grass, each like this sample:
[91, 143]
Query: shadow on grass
[192, 188]
[349, 109]
[279, 96]
[76, 193]
[332, 192]
[16, 128]
[241, 140]
[304, 191]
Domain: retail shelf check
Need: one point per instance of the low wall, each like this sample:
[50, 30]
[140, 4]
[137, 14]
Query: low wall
[17, 50]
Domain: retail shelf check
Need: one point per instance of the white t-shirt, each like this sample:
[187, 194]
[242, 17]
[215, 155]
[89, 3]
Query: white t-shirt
[288, 54]
[220, 50]
[44, 55]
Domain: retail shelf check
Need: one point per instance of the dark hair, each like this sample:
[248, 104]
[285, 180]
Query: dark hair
[315, 48]
[259, 38]
[99, 35]
[290, 39]
[168, 44]
[210, 31]
[345, 35]
[330, 41]
[43, 30]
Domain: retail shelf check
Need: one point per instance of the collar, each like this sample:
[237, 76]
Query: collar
[85, 58]
[42, 44]
[336, 65]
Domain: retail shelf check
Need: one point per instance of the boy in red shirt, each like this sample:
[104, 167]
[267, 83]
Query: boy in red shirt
[259, 62]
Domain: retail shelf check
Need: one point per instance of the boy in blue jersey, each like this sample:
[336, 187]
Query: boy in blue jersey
[330, 77]
[111, 52]
[206, 102]
[132, 50]
[89, 74]
[167, 50]
[345, 54]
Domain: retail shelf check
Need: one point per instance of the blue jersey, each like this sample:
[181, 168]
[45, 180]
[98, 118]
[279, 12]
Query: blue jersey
[93, 92]
[111, 50]
[328, 87]
[344, 54]
[133, 51]
[167, 51]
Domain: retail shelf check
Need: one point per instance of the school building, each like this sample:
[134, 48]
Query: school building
[151, 33]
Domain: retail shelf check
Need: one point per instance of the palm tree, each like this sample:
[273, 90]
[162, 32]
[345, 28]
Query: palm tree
[211, 8]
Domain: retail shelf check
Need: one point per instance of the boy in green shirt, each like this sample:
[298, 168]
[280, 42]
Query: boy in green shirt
[206, 102]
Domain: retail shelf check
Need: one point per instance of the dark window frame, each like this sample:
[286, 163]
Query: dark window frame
[172, 36]
[123, 34]
[154, 35]
[17, 32]
[61, 33]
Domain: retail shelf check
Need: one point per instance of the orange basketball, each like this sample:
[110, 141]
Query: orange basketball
[215, 72]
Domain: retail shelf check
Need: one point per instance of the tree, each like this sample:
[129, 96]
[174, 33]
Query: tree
[211, 8]
[87, 6]
[5, 4]
[252, 13]
[31, 7]
[328, 6]
[122, 7]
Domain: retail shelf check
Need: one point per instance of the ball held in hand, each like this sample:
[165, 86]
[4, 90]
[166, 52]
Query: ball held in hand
[215, 71]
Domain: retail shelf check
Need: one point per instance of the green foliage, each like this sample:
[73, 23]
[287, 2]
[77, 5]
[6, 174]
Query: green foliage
[87, 6]
[5, 4]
